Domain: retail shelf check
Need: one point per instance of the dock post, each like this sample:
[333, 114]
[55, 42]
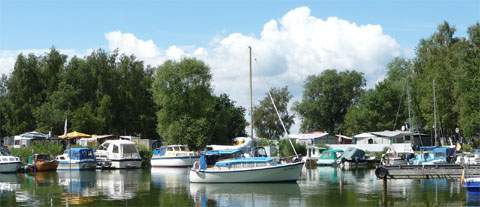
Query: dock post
[385, 192]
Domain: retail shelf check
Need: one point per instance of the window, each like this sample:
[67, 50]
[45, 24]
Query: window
[370, 141]
[129, 148]
[115, 149]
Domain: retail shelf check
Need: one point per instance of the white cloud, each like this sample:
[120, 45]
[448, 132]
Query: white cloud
[8, 57]
[286, 52]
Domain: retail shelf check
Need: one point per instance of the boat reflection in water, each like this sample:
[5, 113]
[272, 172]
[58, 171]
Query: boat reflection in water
[246, 194]
[112, 184]
[119, 184]
[8, 183]
[172, 179]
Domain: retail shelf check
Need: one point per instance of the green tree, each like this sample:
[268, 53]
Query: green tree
[265, 119]
[469, 86]
[228, 121]
[326, 98]
[24, 95]
[385, 106]
[183, 96]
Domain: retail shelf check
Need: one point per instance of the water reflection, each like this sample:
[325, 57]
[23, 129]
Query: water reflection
[324, 186]
[170, 179]
[260, 194]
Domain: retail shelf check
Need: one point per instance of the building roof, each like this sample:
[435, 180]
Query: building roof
[33, 135]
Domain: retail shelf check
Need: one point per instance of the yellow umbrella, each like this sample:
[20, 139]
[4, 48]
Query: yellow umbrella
[74, 135]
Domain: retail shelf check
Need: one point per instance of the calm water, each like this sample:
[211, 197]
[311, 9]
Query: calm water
[170, 187]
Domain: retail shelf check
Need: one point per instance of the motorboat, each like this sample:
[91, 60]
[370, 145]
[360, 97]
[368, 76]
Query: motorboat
[229, 166]
[330, 157]
[434, 156]
[173, 156]
[397, 157]
[353, 157]
[77, 159]
[41, 163]
[118, 154]
[469, 158]
[8, 163]
[472, 184]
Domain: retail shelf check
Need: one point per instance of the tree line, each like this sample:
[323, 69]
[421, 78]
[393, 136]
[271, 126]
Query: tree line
[111, 93]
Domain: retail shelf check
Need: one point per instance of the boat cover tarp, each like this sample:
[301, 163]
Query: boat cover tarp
[222, 152]
[354, 154]
[228, 163]
[80, 153]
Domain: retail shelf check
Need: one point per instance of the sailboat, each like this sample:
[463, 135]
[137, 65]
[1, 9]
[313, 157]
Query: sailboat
[232, 166]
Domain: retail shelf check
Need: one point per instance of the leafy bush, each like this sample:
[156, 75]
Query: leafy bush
[287, 151]
[262, 142]
[53, 149]
[146, 154]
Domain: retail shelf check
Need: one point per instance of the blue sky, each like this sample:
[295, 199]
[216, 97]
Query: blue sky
[81, 24]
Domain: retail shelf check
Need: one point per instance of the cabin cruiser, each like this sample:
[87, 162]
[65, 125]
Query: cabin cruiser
[353, 157]
[118, 154]
[8, 163]
[230, 166]
[77, 159]
[173, 156]
[330, 157]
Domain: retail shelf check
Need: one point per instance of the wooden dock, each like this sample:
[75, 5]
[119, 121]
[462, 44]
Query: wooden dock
[450, 171]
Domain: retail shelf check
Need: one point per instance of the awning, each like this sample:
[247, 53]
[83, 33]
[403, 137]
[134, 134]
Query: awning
[74, 135]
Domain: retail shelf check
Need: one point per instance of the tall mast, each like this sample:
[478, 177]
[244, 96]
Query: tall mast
[251, 93]
[435, 114]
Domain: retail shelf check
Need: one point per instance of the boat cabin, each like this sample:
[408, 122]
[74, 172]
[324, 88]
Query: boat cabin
[173, 151]
[77, 154]
[118, 149]
[331, 154]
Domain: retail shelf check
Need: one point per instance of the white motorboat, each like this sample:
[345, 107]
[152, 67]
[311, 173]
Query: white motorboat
[226, 166]
[118, 154]
[77, 159]
[173, 156]
[8, 163]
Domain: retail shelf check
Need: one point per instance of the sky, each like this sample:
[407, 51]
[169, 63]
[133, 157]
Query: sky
[290, 39]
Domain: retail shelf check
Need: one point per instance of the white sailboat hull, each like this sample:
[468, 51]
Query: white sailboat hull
[186, 161]
[9, 167]
[280, 173]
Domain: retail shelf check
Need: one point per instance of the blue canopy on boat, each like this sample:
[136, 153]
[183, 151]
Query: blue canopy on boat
[80, 153]
[427, 148]
[228, 163]
[221, 152]
[160, 151]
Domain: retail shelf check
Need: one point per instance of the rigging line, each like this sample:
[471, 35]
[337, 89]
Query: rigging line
[399, 106]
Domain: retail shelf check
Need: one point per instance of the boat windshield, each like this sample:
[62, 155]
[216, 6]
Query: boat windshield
[129, 148]
[3, 152]
[184, 148]
[104, 146]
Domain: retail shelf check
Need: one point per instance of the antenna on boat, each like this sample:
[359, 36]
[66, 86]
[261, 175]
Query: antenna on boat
[251, 93]
[435, 114]
[283, 125]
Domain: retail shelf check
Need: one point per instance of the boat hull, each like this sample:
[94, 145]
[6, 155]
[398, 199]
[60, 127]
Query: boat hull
[280, 173]
[41, 166]
[326, 162]
[472, 184]
[186, 161]
[83, 165]
[126, 164]
[9, 167]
